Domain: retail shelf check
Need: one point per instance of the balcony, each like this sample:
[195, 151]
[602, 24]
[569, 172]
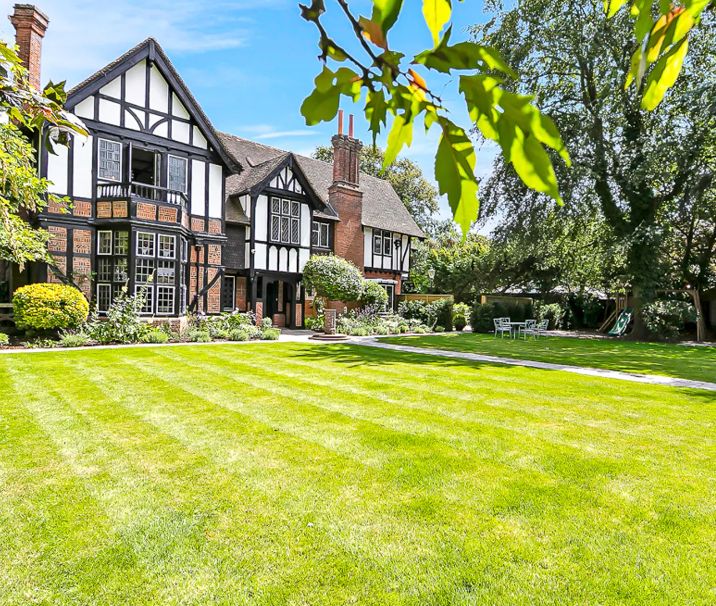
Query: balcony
[142, 191]
[142, 201]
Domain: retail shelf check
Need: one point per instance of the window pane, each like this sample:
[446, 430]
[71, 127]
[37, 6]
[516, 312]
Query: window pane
[275, 228]
[104, 269]
[315, 230]
[104, 297]
[295, 231]
[275, 206]
[144, 269]
[386, 245]
[165, 300]
[286, 207]
[284, 229]
[377, 243]
[148, 292]
[121, 243]
[121, 269]
[145, 244]
[324, 234]
[176, 173]
[166, 246]
[166, 272]
[110, 160]
[104, 242]
[295, 209]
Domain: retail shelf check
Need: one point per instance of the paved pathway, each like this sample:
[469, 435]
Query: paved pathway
[592, 372]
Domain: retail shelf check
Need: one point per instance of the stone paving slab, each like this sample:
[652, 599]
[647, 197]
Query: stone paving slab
[580, 370]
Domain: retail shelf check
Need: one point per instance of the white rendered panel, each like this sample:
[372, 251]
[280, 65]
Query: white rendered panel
[152, 119]
[260, 256]
[113, 89]
[216, 197]
[406, 254]
[273, 259]
[162, 130]
[82, 166]
[247, 252]
[158, 91]
[130, 121]
[198, 187]
[293, 260]
[180, 131]
[305, 225]
[198, 139]
[135, 84]
[109, 112]
[261, 218]
[85, 109]
[303, 257]
[57, 170]
[178, 108]
[368, 247]
[283, 259]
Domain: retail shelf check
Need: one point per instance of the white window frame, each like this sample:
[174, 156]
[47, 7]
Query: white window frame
[111, 242]
[323, 234]
[99, 159]
[172, 291]
[150, 298]
[285, 213]
[114, 242]
[159, 248]
[154, 244]
[186, 172]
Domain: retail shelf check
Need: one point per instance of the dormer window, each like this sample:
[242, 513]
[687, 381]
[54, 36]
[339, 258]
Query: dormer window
[382, 242]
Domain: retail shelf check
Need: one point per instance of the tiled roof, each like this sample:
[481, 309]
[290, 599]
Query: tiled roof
[382, 208]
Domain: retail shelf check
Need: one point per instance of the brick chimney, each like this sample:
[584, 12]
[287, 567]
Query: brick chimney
[345, 196]
[30, 26]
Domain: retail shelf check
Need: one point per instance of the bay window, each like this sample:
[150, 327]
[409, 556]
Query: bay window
[112, 269]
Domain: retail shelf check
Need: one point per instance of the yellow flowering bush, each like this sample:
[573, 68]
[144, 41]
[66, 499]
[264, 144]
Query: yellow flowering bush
[49, 307]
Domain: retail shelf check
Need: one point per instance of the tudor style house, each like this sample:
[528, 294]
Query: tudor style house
[202, 221]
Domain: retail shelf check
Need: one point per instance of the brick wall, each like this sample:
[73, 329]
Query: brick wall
[241, 294]
[348, 243]
[30, 26]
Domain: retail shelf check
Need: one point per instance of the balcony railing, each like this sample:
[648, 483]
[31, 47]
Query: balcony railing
[123, 191]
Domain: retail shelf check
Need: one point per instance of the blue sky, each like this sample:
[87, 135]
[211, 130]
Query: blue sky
[250, 63]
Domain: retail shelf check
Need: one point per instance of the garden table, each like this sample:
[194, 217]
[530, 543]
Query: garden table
[518, 325]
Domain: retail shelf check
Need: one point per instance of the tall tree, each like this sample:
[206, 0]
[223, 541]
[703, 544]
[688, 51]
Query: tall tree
[634, 164]
[416, 192]
[26, 115]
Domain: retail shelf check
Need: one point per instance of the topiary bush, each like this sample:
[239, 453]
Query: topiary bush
[666, 319]
[44, 307]
[333, 278]
[373, 294]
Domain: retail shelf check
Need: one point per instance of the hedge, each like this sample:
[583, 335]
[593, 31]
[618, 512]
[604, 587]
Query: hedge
[49, 307]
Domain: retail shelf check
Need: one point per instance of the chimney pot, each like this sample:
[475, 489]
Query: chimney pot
[30, 26]
[350, 126]
[340, 121]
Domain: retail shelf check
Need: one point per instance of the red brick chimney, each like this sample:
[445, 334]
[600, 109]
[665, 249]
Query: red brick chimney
[30, 27]
[344, 195]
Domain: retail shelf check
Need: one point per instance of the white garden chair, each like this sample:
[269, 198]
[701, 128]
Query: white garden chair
[529, 328]
[539, 329]
[502, 326]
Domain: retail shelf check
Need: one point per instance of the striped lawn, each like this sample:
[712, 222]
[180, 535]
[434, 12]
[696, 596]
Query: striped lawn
[697, 363]
[301, 474]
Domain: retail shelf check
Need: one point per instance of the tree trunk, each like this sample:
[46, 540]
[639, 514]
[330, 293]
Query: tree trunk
[639, 331]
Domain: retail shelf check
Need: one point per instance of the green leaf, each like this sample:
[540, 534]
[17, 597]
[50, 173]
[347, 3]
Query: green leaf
[463, 56]
[436, 13]
[376, 111]
[385, 13]
[611, 7]
[322, 104]
[455, 173]
[664, 74]
[401, 134]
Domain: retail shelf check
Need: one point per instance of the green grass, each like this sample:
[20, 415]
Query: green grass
[300, 474]
[695, 363]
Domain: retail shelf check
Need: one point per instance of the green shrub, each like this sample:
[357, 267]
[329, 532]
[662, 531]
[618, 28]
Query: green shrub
[481, 317]
[420, 330]
[49, 307]
[373, 294]
[74, 339]
[438, 312]
[402, 328]
[439, 329]
[460, 313]
[270, 334]
[359, 331]
[123, 323]
[266, 323]
[313, 323]
[381, 330]
[4, 339]
[196, 335]
[666, 319]
[41, 344]
[155, 335]
[238, 334]
[553, 312]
